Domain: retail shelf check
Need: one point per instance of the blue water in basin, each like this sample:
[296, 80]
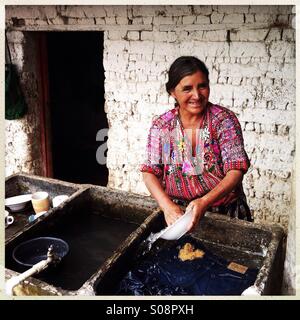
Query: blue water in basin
[161, 272]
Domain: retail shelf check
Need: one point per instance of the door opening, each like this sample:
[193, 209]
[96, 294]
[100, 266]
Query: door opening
[76, 103]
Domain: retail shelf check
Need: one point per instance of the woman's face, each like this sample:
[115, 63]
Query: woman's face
[192, 93]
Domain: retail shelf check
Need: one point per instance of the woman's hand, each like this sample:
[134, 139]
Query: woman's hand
[199, 207]
[172, 212]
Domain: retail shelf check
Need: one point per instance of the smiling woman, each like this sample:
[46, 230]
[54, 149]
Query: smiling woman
[189, 85]
[196, 154]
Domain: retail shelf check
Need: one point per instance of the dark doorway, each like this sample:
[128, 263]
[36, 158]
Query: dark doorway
[76, 97]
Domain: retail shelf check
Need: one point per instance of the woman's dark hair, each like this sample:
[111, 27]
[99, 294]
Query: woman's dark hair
[182, 67]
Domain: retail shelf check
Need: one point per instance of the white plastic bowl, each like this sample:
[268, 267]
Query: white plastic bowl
[178, 228]
[59, 199]
[17, 203]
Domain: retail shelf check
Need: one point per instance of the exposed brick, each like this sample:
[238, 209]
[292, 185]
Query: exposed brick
[249, 18]
[233, 18]
[145, 47]
[244, 49]
[182, 35]
[288, 35]
[249, 35]
[172, 37]
[224, 92]
[161, 58]
[147, 35]
[178, 10]
[270, 118]
[31, 12]
[202, 20]
[73, 12]
[274, 35]
[117, 35]
[15, 36]
[110, 20]
[283, 19]
[133, 35]
[49, 11]
[250, 126]
[229, 9]
[282, 49]
[100, 21]
[188, 19]
[283, 9]
[116, 11]
[160, 36]
[147, 20]
[57, 21]
[217, 17]
[138, 21]
[164, 49]
[94, 11]
[235, 70]
[178, 20]
[219, 35]
[213, 76]
[122, 20]
[203, 10]
[117, 46]
[264, 9]
[265, 18]
[163, 20]
[146, 11]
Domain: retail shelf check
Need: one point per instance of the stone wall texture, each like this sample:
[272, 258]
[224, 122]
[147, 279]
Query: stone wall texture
[249, 51]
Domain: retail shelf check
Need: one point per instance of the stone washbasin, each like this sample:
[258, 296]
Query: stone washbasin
[253, 245]
[105, 229]
[19, 184]
[95, 223]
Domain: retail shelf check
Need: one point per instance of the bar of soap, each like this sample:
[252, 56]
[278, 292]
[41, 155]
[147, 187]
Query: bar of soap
[237, 267]
[188, 252]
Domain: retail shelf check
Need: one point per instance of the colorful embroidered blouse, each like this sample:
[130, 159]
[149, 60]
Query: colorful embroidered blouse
[186, 175]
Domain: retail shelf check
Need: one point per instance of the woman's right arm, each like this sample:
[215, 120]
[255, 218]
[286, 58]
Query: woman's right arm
[171, 210]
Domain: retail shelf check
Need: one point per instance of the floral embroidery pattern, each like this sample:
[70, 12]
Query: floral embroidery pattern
[186, 167]
[205, 134]
[173, 155]
[171, 169]
[181, 145]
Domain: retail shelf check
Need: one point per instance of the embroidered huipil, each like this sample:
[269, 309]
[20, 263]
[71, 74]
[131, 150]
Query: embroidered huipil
[219, 148]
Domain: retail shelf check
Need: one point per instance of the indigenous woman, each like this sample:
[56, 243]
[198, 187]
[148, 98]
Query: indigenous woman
[195, 152]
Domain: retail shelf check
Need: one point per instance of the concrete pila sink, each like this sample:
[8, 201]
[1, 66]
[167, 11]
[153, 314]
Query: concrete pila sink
[105, 229]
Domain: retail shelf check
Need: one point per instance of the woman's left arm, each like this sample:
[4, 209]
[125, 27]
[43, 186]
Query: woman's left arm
[199, 206]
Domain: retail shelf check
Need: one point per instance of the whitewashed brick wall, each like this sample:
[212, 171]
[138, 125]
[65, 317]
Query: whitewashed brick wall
[250, 52]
